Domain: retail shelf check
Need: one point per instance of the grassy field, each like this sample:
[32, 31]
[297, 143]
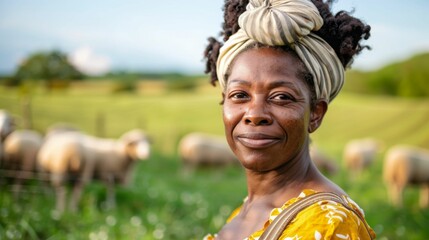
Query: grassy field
[164, 201]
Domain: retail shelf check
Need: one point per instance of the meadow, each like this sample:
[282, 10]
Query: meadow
[166, 202]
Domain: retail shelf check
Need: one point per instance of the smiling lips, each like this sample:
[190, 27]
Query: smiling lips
[257, 140]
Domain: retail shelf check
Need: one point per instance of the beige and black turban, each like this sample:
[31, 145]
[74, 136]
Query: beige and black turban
[286, 22]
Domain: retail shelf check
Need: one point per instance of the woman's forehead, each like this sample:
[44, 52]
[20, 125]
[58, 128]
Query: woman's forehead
[265, 63]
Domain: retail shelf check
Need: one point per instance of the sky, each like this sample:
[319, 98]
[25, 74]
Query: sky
[170, 35]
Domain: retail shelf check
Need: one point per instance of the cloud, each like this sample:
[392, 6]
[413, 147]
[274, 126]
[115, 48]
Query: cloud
[89, 62]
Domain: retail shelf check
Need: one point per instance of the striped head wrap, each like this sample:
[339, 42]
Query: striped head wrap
[286, 22]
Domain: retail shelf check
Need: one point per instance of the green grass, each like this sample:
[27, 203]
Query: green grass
[163, 202]
[166, 202]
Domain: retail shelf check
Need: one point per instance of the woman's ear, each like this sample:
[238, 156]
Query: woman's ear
[223, 98]
[317, 113]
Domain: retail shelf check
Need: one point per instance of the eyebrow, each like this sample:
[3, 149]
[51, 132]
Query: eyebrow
[240, 82]
[275, 84]
[281, 83]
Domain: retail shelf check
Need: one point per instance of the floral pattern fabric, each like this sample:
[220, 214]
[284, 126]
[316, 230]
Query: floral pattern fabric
[322, 220]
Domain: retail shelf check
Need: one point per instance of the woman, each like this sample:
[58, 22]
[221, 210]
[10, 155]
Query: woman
[280, 66]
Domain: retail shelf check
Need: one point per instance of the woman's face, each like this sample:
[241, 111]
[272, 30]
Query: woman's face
[266, 109]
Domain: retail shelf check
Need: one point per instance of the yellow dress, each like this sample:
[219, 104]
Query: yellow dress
[322, 220]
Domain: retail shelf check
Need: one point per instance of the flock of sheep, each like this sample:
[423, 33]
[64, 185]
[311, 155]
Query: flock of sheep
[66, 155]
[403, 165]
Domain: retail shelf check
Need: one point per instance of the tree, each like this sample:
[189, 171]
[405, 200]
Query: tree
[51, 67]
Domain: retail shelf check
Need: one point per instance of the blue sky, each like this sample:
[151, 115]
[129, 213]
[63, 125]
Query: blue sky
[100, 35]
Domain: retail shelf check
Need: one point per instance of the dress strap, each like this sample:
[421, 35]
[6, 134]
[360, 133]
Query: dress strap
[279, 224]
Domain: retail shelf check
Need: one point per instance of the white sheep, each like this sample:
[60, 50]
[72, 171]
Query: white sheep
[80, 158]
[322, 161]
[406, 165]
[200, 149]
[359, 154]
[20, 151]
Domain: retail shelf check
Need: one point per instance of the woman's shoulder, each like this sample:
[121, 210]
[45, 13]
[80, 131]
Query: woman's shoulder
[343, 200]
[325, 217]
[328, 218]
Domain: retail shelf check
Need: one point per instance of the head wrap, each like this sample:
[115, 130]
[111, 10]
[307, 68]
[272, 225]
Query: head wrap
[286, 22]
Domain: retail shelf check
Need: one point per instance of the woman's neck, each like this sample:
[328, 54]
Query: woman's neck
[283, 183]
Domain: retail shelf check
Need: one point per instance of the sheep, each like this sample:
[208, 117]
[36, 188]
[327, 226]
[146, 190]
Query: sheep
[80, 158]
[61, 156]
[20, 151]
[360, 153]
[200, 149]
[406, 165]
[322, 161]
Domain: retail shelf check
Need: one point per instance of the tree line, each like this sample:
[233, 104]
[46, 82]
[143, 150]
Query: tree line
[409, 78]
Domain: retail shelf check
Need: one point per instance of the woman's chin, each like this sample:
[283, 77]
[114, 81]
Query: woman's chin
[257, 163]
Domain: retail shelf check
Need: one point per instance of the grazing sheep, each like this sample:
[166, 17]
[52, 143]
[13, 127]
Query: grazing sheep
[80, 158]
[199, 149]
[20, 151]
[360, 153]
[406, 165]
[322, 161]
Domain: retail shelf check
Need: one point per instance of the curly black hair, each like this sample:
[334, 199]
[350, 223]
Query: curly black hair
[341, 31]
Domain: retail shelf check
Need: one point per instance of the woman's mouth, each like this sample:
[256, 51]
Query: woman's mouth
[257, 140]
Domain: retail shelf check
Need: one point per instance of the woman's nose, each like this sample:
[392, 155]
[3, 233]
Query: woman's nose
[257, 113]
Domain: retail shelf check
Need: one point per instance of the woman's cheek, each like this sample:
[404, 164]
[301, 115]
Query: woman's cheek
[230, 120]
[227, 116]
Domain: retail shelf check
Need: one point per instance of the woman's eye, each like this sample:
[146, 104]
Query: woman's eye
[282, 97]
[239, 95]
